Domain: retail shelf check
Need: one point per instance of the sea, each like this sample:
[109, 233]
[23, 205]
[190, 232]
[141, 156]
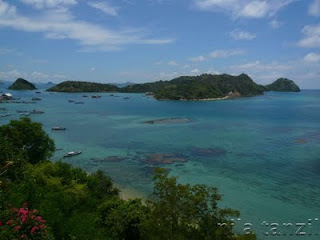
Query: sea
[262, 153]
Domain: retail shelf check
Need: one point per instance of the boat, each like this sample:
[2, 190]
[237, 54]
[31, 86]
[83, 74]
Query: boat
[38, 92]
[71, 100]
[59, 128]
[72, 154]
[24, 114]
[84, 96]
[37, 112]
[126, 98]
[36, 99]
[79, 102]
[96, 96]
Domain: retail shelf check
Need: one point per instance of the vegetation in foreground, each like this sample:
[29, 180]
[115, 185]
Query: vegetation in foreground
[40, 199]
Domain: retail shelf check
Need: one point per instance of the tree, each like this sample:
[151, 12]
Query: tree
[23, 141]
[182, 211]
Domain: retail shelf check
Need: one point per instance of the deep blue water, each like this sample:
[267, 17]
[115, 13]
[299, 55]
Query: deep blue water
[267, 166]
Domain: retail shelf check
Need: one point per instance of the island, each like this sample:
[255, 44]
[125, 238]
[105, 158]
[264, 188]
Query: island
[22, 84]
[283, 85]
[76, 86]
[205, 87]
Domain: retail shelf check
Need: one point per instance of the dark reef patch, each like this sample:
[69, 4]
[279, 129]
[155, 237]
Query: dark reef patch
[168, 121]
[164, 158]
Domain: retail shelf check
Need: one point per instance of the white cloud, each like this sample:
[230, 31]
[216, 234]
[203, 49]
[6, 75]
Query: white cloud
[198, 59]
[255, 9]
[173, 63]
[244, 8]
[104, 7]
[195, 71]
[311, 36]
[61, 24]
[6, 9]
[226, 53]
[314, 8]
[242, 35]
[257, 65]
[5, 51]
[39, 4]
[312, 57]
[92, 69]
[275, 24]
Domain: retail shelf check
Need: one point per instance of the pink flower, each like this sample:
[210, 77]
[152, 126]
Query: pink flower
[34, 229]
[42, 226]
[35, 211]
[9, 222]
[17, 228]
[1, 223]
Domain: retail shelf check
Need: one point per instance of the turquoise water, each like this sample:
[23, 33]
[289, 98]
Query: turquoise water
[269, 166]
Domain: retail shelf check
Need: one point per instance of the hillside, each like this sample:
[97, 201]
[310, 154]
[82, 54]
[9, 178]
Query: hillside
[22, 84]
[206, 86]
[75, 86]
[283, 85]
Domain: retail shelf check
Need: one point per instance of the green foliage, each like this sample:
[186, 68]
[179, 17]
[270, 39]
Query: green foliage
[22, 84]
[283, 85]
[64, 196]
[182, 211]
[23, 141]
[75, 86]
[122, 219]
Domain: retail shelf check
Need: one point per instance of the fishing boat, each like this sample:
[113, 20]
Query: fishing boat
[96, 96]
[72, 154]
[37, 112]
[59, 128]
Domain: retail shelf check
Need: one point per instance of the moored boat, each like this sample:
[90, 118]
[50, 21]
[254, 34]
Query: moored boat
[96, 96]
[58, 128]
[72, 154]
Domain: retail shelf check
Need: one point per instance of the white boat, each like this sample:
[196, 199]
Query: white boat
[59, 128]
[72, 154]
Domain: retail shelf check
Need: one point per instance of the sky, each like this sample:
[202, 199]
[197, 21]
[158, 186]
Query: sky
[149, 40]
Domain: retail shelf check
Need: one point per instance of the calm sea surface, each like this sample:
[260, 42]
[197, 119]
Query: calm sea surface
[263, 153]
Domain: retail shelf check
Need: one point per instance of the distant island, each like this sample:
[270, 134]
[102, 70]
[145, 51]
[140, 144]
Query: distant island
[283, 85]
[203, 87]
[22, 84]
[75, 86]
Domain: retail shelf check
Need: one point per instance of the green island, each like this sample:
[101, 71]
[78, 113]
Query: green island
[40, 199]
[283, 85]
[22, 84]
[202, 87]
[76, 86]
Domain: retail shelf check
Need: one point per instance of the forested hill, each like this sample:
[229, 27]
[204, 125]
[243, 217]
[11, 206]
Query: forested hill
[283, 85]
[22, 84]
[75, 86]
[206, 86]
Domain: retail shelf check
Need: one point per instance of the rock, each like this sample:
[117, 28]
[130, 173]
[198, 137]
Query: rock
[164, 158]
[109, 159]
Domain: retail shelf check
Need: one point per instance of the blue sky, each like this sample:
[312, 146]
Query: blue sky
[149, 40]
